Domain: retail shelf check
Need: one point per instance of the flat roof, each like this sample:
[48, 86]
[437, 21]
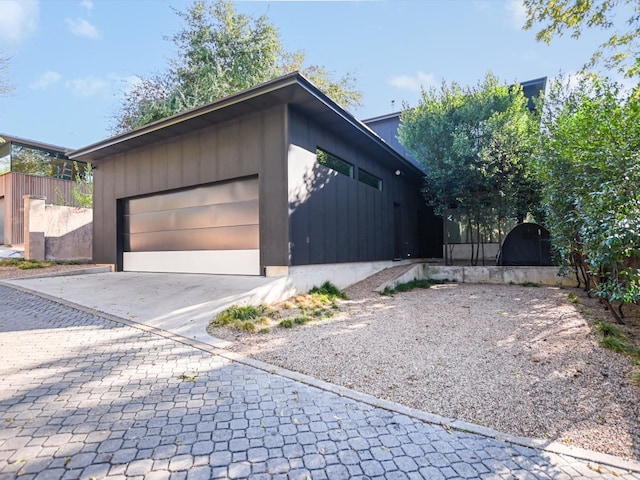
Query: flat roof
[33, 143]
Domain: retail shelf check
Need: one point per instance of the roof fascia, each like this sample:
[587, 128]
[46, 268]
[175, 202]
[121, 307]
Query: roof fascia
[32, 143]
[193, 113]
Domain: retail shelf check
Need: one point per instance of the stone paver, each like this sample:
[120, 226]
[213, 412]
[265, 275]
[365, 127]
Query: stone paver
[85, 397]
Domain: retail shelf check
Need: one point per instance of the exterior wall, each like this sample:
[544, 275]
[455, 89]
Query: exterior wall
[387, 129]
[13, 186]
[246, 146]
[56, 232]
[335, 219]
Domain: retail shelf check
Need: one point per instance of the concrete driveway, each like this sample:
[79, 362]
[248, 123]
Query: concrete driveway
[182, 304]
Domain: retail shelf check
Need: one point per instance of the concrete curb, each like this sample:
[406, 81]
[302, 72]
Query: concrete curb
[65, 273]
[447, 423]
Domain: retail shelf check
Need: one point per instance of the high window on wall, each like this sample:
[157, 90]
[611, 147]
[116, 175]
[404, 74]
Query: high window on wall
[37, 161]
[334, 163]
[369, 179]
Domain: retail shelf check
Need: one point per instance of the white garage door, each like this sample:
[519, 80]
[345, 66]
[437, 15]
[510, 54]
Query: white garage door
[207, 229]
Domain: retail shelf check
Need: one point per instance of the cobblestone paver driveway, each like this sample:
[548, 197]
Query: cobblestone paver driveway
[85, 397]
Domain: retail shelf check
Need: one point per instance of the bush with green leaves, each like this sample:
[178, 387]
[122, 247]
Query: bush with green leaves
[589, 164]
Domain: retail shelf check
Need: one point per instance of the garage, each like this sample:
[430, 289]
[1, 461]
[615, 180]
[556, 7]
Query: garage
[211, 228]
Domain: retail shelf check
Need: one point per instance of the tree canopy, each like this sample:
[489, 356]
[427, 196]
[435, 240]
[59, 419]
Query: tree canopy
[475, 144]
[220, 52]
[619, 51]
[590, 166]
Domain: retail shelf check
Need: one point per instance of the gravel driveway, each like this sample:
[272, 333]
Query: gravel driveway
[521, 360]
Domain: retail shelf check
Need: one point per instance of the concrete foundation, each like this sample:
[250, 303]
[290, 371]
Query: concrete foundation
[493, 275]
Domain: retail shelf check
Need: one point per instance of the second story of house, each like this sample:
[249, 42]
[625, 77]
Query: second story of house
[19, 155]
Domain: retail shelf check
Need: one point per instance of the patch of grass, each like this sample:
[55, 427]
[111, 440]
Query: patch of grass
[608, 329]
[614, 343]
[320, 303]
[412, 285]
[573, 298]
[529, 284]
[243, 317]
[615, 339]
[329, 290]
[248, 326]
[23, 264]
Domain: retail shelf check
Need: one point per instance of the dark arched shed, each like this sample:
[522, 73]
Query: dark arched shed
[527, 244]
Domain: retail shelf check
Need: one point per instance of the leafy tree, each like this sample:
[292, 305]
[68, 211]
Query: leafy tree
[82, 188]
[619, 51]
[590, 166]
[220, 52]
[475, 144]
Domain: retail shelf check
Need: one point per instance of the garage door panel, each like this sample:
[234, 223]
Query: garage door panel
[206, 229]
[224, 238]
[204, 216]
[237, 191]
[223, 262]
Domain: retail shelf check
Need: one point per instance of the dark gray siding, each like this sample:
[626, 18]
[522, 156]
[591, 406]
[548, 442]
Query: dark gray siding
[249, 145]
[340, 219]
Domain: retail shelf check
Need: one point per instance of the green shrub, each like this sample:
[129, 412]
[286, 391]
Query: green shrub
[237, 314]
[608, 329]
[329, 290]
[413, 284]
[286, 323]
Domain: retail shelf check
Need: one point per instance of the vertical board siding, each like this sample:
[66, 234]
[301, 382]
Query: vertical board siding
[345, 220]
[19, 184]
[250, 145]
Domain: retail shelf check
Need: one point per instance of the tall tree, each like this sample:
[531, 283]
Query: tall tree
[619, 51]
[475, 144]
[220, 52]
[590, 167]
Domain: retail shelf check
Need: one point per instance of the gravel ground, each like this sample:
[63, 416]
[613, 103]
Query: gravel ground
[521, 360]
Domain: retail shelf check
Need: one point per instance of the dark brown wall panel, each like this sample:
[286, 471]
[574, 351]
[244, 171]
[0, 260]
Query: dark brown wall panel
[274, 225]
[250, 145]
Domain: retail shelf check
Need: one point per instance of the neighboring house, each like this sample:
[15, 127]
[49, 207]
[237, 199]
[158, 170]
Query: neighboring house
[30, 168]
[272, 177]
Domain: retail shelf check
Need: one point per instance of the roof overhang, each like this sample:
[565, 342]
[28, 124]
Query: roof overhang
[32, 143]
[292, 89]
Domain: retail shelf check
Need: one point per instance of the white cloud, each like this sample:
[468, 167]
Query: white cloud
[517, 13]
[88, 86]
[82, 28]
[415, 83]
[88, 4]
[47, 79]
[18, 19]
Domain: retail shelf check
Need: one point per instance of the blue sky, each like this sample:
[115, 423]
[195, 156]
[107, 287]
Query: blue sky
[70, 60]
